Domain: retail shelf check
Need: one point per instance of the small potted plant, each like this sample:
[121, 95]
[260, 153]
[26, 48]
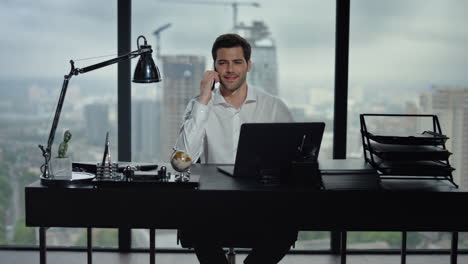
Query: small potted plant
[61, 166]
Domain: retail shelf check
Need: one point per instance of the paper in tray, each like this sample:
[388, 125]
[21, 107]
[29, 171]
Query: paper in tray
[425, 138]
[414, 168]
[395, 152]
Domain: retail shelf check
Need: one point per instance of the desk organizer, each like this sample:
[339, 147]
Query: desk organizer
[106, 170]
[136, 175]
[149, 182]
[410, 156]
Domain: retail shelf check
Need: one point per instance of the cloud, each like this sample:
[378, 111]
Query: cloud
[388, 39]
[408, 41]
[41, 37]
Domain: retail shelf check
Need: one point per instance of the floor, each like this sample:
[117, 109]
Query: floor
[56, 257]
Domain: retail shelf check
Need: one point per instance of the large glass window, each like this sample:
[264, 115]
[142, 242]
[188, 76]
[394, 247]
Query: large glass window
[410, 57]
[292, 56]
[37, 41]
[405, 57]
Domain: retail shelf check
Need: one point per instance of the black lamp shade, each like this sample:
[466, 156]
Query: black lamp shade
[146, 71]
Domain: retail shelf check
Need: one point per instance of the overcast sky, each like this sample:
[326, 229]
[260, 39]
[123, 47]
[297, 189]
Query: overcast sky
[418, 42]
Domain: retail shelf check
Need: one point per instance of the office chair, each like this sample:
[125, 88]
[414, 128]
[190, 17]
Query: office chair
[231, 254]
[246, 241]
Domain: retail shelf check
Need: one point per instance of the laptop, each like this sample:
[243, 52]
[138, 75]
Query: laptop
[269, 148]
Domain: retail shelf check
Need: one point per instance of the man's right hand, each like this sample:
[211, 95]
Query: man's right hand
[205, 86]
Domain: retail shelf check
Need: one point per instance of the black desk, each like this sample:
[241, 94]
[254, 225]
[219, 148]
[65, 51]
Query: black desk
[398, 206]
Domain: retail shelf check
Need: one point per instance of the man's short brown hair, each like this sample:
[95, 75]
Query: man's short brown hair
[230, 41]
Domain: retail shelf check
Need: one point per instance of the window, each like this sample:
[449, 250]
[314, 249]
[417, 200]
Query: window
[292, 56]
[409, 57]
[38, 39]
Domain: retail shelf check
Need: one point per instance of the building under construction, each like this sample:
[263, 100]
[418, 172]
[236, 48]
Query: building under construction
[264, 73]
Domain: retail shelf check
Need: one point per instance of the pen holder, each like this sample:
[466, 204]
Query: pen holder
[306, 173]
[61, 167]
[106, 171]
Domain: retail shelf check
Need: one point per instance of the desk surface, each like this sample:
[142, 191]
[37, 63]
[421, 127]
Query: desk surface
[413, 205]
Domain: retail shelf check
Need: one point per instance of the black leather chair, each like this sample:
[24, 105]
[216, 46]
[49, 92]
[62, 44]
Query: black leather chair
[230, 239]
[186, 242]
[238, 242]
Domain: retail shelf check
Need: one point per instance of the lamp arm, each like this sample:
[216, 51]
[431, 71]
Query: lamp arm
[127, 56]
[47, 153]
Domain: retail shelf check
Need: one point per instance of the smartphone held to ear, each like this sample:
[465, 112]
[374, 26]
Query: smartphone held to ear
[215, 84]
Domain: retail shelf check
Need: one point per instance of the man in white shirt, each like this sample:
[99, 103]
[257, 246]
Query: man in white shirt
[211, 132]
[212, 120]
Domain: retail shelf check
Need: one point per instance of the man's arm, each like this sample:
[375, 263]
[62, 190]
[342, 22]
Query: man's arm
[192, 132]
[282, 113]
[206, 85]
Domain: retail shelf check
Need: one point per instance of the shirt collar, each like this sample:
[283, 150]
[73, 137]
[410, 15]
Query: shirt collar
[251, 96]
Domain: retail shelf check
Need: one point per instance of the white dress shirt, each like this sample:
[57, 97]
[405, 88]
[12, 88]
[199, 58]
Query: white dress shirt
[211, 132]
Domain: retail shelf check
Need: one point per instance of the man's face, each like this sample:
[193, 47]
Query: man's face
[232, 68]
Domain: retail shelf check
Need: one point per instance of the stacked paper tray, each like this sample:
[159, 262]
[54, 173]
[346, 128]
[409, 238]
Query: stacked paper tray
[397, 152]
[417, 155]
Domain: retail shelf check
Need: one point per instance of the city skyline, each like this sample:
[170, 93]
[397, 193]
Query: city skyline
[398, 50]
[417, 28]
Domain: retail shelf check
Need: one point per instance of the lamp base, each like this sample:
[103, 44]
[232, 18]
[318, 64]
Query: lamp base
[77, 178]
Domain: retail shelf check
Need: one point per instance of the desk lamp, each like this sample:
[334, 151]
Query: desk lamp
[145, 72]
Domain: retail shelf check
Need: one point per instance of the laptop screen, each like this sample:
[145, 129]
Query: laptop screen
[269, 148]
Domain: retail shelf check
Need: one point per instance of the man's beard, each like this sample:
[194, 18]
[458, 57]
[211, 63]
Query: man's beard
[234, 86]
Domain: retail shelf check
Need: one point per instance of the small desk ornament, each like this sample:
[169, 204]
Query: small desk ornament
[61, 172]
[61, 165]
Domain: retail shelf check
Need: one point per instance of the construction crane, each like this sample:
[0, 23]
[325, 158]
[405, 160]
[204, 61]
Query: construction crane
[234, 5]
[157, 33]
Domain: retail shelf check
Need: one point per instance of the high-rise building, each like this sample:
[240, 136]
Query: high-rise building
[181, 75]
[97, 123]
[451, 107]
[145, 130]
[264, 72]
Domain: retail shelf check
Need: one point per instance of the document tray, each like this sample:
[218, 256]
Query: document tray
[414, 168]
[408, 152]
[425, 138]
